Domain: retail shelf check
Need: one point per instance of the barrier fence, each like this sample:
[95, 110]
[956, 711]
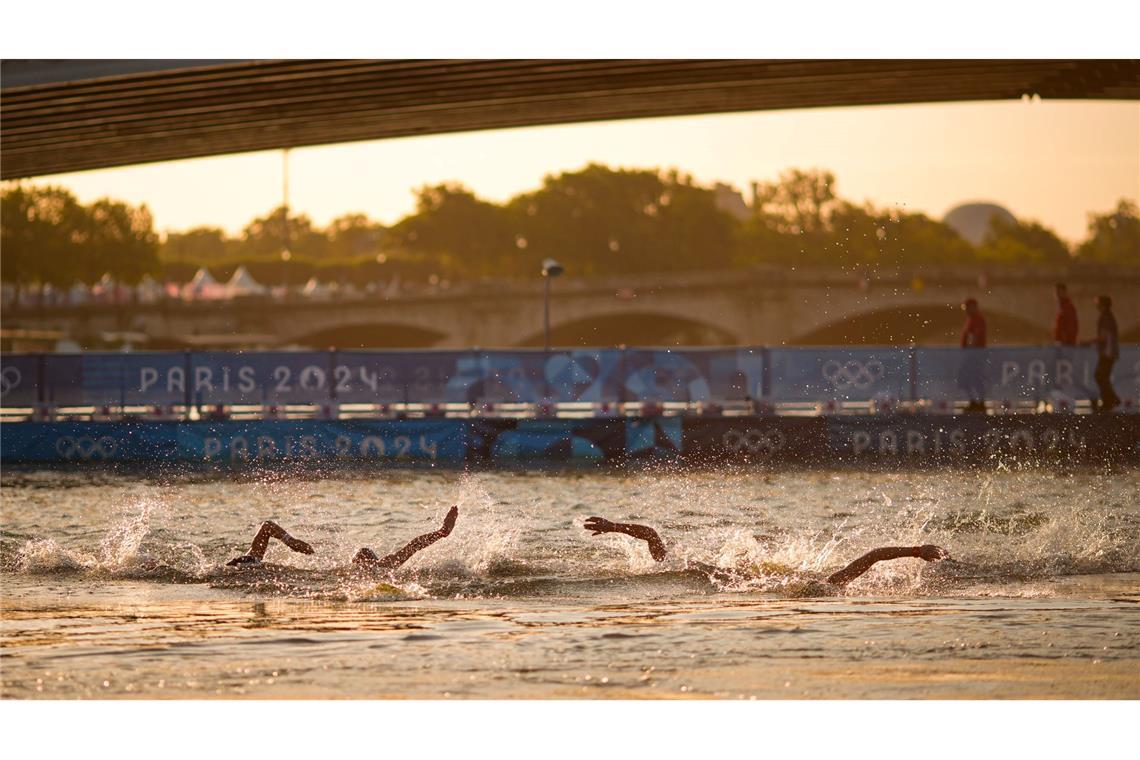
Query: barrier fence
[595, 376]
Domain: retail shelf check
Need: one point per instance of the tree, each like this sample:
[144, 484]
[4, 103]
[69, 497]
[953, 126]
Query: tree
[799, 203]
[43, 234]
[605, 221]
[1113, 237]
[266, 237]
[915, 239]
[462, 233]
[1019, 241]
[119, 239]
[201, 245]
[355, 235]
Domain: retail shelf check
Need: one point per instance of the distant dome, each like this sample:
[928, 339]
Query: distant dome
[972, 220]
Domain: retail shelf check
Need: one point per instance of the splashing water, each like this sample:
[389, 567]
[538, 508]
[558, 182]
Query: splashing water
[521, 533]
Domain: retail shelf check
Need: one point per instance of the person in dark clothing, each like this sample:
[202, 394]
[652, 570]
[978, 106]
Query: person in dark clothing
[1065, 323]
[1107, 344]
[971, 372]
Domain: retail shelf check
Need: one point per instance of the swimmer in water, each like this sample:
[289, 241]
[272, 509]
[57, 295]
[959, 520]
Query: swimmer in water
[365, 558]
[834, 583]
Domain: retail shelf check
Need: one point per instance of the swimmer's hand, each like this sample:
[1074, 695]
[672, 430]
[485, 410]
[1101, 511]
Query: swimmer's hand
[932, 553]
[245, 559]
[296, 544]
[449, 521]
[600, 525]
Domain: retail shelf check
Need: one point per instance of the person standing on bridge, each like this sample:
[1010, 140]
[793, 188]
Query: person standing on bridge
[971, 373]
[1065, 323]
[1107, 342]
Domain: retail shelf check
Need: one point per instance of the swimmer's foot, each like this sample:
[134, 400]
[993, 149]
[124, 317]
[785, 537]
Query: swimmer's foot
[245, 559]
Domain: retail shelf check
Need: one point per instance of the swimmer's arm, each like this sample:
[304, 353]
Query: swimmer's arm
[268, 530]
[395, 559]
[643, 532]
[928, 552]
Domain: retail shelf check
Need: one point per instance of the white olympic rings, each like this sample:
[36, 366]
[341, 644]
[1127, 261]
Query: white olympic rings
[86, 448]
[9, 379]
[852, 374]
[754, 441]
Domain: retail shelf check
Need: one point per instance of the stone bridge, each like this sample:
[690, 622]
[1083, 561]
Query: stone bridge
[748, 307]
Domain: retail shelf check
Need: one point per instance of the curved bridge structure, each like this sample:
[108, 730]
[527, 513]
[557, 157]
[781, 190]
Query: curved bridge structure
[66, 116]
[751, 307]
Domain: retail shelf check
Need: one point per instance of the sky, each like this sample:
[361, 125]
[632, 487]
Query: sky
[1051, 161]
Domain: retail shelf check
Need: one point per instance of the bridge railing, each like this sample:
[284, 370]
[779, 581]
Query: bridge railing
[838, 376]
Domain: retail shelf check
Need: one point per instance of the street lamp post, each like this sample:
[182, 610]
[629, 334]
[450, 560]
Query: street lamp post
[550, 270]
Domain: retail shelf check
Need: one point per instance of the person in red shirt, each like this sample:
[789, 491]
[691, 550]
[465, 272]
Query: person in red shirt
[974, 333]
[1065, 324]
[971, 373]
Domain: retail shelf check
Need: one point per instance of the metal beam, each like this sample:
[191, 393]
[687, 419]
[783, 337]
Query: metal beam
[62, 116]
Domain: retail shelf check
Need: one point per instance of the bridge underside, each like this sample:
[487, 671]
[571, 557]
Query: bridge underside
[64, 116]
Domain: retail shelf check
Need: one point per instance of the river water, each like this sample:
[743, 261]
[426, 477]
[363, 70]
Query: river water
[114, 585]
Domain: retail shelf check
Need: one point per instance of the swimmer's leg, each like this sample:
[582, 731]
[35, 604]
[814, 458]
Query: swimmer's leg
[395, 559]
[268, 530]
[928, 552]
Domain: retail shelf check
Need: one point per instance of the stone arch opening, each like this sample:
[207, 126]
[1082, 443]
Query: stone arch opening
[925, 324]
[378, 335]
[636, 329]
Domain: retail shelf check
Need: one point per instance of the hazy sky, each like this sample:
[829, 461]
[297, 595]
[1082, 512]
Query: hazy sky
[1049, 161]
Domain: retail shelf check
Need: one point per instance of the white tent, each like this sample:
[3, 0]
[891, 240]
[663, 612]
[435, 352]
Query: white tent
[202, 287]
[243, 284]
[315, 290]
[148, 290]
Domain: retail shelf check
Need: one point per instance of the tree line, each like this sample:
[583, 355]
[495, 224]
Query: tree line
[595, 221]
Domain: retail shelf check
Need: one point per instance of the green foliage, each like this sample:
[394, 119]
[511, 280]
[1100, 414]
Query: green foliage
[595, 221]
[49, 238]
[1011, 242]
[601, 221]
[1114, 236]
[465, 235]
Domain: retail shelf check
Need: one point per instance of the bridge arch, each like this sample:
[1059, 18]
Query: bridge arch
[634, 329]
[924, 324]
[369, 335]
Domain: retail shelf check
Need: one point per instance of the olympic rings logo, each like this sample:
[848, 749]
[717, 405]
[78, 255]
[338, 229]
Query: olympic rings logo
[754, 441]
[86, 448]
[852, 374]
[9, 378]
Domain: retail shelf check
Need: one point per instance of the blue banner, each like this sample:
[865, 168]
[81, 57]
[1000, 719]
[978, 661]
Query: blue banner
[93, 379]
[693, 374]
[236, 442]
[292, 440]
[19, 379]
[1020, 374]
[843, 374]
[529, 376]
[392, 377]
[262, 377]
[805, 440]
